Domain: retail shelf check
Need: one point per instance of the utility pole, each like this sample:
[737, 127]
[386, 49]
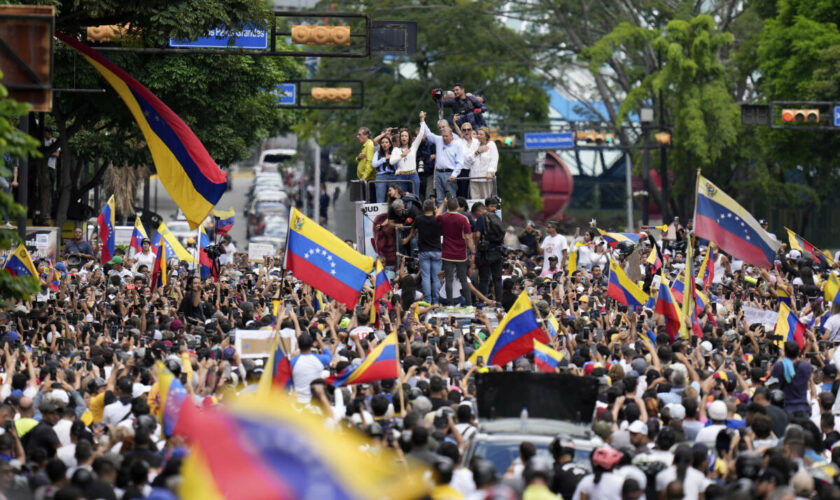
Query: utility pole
[23, 182]
[663, 165]
[316, 195]
[628, 174]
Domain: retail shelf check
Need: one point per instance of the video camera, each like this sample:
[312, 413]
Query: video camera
[437, 96]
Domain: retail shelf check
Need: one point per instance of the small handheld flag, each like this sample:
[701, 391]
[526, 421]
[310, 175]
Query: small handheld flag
[789, 328]
[622, 288]
[513, 336]
[19, 263]
[381, 363]
[138, 235]
[224, 220]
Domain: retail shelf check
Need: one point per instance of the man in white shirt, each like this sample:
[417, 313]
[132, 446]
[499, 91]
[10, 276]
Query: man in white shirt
[554, 244]
[307, 366]
[717, 414]
[145, 257]
[120, 409]
[117, 269]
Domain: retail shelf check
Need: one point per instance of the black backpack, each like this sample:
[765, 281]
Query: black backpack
[412, 199]
[494, 232]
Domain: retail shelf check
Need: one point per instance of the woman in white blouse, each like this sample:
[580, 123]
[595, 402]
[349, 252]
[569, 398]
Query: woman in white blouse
[483, 183]
[404, 158]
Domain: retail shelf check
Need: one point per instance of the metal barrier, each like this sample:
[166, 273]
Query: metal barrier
[360, 190]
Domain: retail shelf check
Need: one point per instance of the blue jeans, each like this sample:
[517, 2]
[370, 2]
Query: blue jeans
[442, 182]
[410, 183]
[382, 187]
[430, 265]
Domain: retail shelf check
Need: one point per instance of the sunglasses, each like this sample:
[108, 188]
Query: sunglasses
[466, 129]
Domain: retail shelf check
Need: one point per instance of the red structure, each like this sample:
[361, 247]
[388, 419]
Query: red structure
[556, 186]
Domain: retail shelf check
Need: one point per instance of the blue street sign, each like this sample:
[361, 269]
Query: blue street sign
[287, 94]
[220, 38]
[549, 140]
[837, 116]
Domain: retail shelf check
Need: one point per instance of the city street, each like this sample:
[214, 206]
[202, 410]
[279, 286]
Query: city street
[340, 221]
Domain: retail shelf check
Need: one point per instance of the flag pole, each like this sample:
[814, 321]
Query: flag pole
[400, 373]
[696, 195]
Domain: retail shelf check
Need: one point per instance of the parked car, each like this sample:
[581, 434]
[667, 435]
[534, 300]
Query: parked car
[275, 229]
[270, 159]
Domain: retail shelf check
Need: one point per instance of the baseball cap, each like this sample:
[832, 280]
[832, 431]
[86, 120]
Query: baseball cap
[638, 427]
[676, 411]
[794, 254]
[116, 260]
[717, 410]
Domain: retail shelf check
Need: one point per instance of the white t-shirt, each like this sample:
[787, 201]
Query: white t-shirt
[608, 488]
[115, 413]
[62, 430]
[144, 259]
[305, 369]
[554, 245]
[832, 327]
[709, 434]
[693, 485]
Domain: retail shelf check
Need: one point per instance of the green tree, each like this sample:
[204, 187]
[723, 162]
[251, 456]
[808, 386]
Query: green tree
[14, 144]
[227, 100]
[458, 42]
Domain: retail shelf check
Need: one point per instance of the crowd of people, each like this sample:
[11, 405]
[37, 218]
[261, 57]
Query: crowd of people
[460, 160]
[733, 413]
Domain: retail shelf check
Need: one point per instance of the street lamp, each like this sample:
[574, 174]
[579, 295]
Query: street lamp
[646, 116]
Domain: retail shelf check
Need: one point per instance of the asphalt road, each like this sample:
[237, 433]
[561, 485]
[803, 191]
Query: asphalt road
[340, 219]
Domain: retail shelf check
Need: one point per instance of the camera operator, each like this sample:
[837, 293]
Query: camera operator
[468, 108]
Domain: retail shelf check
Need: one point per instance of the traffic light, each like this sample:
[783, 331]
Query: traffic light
[801, 115]
[321, 35]
[337, 94]
[508, 141]
[593, 137]
[105, 33]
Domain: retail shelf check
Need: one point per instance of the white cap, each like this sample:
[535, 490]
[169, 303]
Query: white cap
[707, 347]
[676, 411]
[717, 410]
[794, 254]
[638, 427]
[139, 389]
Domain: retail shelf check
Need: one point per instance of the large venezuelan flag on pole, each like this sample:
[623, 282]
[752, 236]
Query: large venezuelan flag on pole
[514, 336]
[720, 219]
[184, 166]
[138, 235]
[382, 363]
[325, 262]
[20, 263]
[107, 233]
[666, 306]
[799, 243]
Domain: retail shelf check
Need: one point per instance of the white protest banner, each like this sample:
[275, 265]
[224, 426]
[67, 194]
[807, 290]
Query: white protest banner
[754, 315]
[256, 251]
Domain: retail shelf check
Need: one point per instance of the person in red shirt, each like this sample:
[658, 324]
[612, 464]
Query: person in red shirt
[455, 229]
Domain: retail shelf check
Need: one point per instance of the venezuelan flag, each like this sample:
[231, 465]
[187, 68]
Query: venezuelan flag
[159, 272]
[138, 235]
[174, 407]
[789, 328]
[224, 220]
[107, 234]
[184, 166]
[707, 268]
[512, 337]
[799, 243]
[613, 238]
[322, 260]
[173, 246]
[546, 358]
[721, 219]
[261, 447]
[552, 325]
[622, 288]
[278, 371]
[654, 260]
[19, 263]
[54, 281]
[832, 287]
[381, 363]
[204, 261]
[666, 306]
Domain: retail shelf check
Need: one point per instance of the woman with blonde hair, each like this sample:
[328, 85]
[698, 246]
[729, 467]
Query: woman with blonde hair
[483, 184]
